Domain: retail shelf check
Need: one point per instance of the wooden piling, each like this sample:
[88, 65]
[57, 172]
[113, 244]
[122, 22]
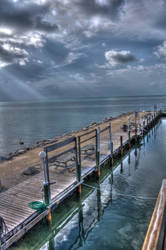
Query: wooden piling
[78, 163]
[111, 144]
[46, 184]
[121, 145]
[98, 151]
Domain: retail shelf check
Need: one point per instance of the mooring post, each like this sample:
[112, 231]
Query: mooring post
[78, 163]
[46, 184]
[111, 143]
[98, 151]
[121, 145]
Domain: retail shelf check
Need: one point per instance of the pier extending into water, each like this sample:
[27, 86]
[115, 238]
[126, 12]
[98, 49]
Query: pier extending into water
[66, 164]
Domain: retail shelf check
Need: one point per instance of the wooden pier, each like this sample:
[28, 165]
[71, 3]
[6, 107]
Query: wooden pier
[66, 164]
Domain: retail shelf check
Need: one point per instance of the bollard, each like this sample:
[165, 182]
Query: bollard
[46, 184]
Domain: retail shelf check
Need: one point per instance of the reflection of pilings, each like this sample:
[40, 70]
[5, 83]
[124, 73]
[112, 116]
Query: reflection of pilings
[144, 142]
[137, 157]
[80, 238]
[51, 245]
[121, 166]
[129, 161]
[81, 225]
[99, 206]
[136, 161]
[112, 177]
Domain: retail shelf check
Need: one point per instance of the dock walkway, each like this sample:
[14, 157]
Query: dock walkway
[14, 209]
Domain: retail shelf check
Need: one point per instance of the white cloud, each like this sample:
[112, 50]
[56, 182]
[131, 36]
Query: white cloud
[72, 57]
[114, 57]
[151, 69]
[161, 51]
[10, 54]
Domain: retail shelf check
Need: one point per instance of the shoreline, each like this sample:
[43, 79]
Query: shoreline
[44, 142]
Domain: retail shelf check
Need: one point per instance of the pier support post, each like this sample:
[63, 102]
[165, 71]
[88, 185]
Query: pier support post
[46, 184]
[121, 145]
[111, 144]
[98, 152]
[78, 163]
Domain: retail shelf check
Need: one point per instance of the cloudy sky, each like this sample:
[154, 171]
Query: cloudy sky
[69, 48]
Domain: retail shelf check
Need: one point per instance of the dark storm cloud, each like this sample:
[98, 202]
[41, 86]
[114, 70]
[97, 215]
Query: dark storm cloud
[102, 7]
[119, 57]
[25, 16]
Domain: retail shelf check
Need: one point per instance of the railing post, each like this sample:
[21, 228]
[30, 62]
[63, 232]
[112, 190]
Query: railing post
[121, 145]
[98, 151]
[46, 184]
[111, 143]
[78, 163]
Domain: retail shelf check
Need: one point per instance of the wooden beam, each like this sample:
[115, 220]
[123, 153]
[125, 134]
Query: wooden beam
[156, 232]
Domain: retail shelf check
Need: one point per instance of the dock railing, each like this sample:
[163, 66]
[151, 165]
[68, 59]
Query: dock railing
[60, 156]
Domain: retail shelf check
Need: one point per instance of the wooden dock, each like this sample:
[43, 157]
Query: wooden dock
[66, 164]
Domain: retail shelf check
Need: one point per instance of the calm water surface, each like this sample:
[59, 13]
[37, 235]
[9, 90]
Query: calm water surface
[31, 122]
[117, 212]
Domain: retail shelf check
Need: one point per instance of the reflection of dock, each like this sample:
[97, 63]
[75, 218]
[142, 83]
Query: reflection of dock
[67, 162]
[156, 236]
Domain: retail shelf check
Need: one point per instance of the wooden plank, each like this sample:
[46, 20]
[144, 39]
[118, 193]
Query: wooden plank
[53, 158]
[104, 129]
[88, 139]
[59, 144]
[21, 232]
[87, 133]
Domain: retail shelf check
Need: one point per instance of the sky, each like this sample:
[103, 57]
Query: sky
[81, 48]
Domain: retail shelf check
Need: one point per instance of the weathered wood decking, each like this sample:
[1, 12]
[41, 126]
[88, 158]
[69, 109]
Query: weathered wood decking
[14, 209]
